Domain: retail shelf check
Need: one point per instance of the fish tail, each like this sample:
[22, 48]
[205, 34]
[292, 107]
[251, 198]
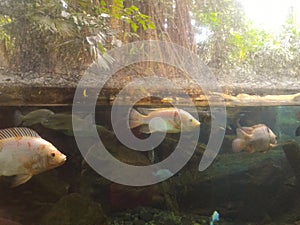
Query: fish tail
[238, 144]
[18, 118]
[135, 119]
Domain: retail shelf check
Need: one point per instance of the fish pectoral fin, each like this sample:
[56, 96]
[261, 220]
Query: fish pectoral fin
[135, 119]
[175, 124]
[238, 145]
[275, 145]
[248, 130]
[21, 179]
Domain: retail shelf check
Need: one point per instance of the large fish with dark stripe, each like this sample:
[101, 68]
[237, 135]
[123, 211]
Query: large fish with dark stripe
[24, 153]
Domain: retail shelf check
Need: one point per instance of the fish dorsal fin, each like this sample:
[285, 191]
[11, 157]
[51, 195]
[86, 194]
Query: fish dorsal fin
[17, 132]
[248, 130]
[241, 133]
[146, 111]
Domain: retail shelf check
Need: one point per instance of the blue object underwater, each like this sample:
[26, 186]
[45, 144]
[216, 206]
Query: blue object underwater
[214, 218]
[163, 173]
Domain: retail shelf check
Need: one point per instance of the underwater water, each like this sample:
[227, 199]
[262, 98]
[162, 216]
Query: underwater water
[243, 187]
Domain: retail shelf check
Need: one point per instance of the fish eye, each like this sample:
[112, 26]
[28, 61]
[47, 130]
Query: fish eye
[52, 154]
[191, 120]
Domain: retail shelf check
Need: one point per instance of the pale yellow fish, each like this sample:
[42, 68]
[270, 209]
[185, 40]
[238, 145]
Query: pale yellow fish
[258, 138]
[169, 120]
[24, 153]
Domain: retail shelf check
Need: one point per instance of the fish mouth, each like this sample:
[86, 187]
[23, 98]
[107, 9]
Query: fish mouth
[63, 160]
[197, 123]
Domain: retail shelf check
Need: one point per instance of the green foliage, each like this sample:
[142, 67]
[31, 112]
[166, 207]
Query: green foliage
[52, 36]
[4, 20]
[225, 20]
[280, 55]
[235, 44]
[132, 14]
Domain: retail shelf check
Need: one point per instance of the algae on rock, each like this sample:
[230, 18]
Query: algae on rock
[75, 210]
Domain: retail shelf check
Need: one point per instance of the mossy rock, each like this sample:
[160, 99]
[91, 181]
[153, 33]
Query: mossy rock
[73, 209]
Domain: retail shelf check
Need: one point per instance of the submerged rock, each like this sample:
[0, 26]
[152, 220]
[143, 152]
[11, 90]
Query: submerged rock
[73, 209]
[292, 152]
[4, 221]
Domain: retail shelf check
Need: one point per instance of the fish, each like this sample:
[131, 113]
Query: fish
[31, 118]
[258, 138]
[58, 121]
[63, 122]
[23, 153]
[169, 120]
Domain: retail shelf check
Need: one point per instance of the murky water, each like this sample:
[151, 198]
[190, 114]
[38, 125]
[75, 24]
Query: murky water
[243, 187]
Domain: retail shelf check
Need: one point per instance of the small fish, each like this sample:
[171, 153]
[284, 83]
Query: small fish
[297, 133]
[169, 120]
[31, 118]
[215, 217]
[258, 138]
[24, 153]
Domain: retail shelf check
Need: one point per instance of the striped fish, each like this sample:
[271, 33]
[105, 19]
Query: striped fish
[23, 153]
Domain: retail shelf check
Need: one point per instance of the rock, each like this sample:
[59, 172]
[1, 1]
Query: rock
[4, 221]
[49, 186]
[292, 152]
[125, 197]
[169, 222]
[139, 222]
[186, 221]
[73, 209]
[127, 217]
[146, 216]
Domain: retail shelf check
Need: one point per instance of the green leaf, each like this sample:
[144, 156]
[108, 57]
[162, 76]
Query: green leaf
[134, 27]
